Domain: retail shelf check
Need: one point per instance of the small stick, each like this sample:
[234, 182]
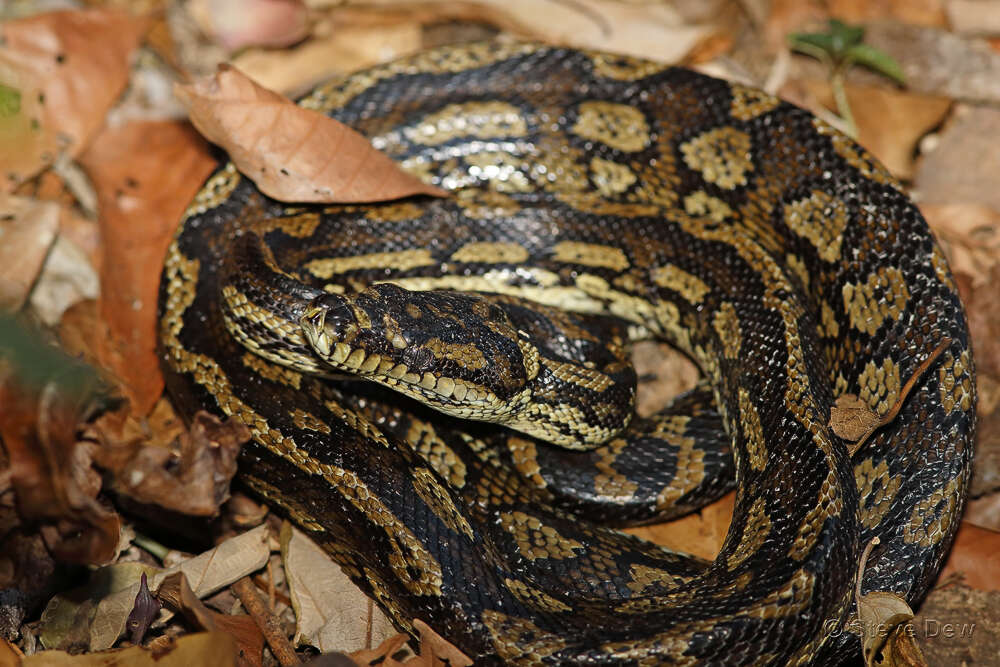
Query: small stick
[268, 623]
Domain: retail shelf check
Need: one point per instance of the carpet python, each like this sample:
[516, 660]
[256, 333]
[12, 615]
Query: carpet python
[594, 199]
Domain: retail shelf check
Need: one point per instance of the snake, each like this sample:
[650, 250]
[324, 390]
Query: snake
[440, 392]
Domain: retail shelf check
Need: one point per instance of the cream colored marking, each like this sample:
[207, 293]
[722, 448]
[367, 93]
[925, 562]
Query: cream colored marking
[821, 219]
[610, 178]
[722, 156]
[755, 531]
[485, 252]
[880, 385]
[752, 431]
[537, 540]
[883, 295]
[877, 488]
[534, 597]
[931, 518]
[402, 260]
[617, 125]
[727, 325]
[701, 203]
[692, 288]
[481, 120]
[305, 420]
[590, 254]
[748, 103]
[437, 498]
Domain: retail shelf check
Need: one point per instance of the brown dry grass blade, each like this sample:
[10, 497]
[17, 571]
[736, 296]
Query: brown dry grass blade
[64, 70]
[292, 154]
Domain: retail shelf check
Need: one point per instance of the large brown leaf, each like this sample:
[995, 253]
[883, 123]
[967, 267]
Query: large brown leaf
[145, 174]
[59, 74]
[292, 154]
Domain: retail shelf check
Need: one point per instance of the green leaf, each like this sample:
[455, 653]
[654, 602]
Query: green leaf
[10, 101]
[875, 60]
[844, 36]
[806, 41]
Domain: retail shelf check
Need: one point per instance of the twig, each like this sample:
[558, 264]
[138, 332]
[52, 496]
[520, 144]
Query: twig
[268, 623]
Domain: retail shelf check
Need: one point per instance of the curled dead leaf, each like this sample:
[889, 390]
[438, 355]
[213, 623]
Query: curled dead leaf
[292, 154]
[433, 644]
[185, 470]
[886, 636]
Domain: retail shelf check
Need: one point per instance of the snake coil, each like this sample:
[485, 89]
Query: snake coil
[594, 198]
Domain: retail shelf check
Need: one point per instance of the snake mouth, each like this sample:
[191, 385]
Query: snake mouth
[440, 391]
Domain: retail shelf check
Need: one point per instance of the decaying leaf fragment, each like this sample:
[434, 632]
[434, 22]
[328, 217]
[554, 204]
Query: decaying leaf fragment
[886, 637]
[292, 154]
[854, 421]
[206, 649]
[185, 470]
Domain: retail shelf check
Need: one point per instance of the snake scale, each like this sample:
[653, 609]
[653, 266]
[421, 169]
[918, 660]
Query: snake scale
[594, 199]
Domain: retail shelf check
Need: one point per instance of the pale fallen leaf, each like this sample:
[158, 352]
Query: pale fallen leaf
[331, 612]
[292, 154]
[657, 31]
[337, 50]
[881, 615]
[59, 73]
[236, 24]
[207, 649]
[210, 571]
[72, 611]
[974, 17]
[27, 230]
[886, 637]
[969, 235]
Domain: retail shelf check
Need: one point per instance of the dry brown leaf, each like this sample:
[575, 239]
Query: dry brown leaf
[50, 473]
[701, 534]
[236, 24]
[207, 649]
[970, 236]
[851, 418]
[27, 230]
[292, 154]
[184, 470]
[331, 612]
[382, 654]
[64, 70]
[882, 617]
[436, 650]
[176, 594]
[916, 12]
[145, 175]
[975, 555]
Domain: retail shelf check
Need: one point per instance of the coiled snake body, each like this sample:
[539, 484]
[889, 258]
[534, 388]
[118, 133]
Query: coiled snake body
[630, 199]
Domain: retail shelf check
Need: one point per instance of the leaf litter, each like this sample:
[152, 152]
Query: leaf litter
[133, 184]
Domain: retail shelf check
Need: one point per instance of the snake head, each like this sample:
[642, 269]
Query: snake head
[455, 352]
